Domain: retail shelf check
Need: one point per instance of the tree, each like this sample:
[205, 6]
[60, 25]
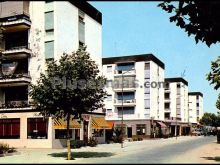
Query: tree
[214, 78]
[210, 119]
[199, 18]
[68, 88]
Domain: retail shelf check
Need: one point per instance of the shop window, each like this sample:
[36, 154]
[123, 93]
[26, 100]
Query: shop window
[98, 133]
[141, 129]
[62, 133]
[37, 128]
[9, 128]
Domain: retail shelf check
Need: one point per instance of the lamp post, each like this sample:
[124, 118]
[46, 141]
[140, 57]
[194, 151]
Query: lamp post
[122, 105]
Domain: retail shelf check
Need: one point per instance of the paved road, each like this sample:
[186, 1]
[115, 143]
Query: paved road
[159, 154]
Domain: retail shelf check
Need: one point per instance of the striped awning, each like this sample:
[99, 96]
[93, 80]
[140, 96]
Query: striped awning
[99, 123]
[62, 124]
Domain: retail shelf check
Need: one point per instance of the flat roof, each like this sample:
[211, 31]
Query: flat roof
[195, 93]
[177, 79]
[88, 9]
[136, 58]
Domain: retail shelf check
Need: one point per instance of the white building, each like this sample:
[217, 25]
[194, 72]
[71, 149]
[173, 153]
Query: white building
[195, 107]
[142, 92]
[176, 105]
[33, 32]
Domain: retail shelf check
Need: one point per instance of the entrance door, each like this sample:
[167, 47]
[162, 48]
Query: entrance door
[129, 131]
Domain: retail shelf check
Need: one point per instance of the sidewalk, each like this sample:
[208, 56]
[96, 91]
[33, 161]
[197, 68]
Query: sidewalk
[87, 154]
[204, 155]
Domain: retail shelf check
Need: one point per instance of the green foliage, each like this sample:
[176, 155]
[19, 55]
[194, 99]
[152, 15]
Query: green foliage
[199, 18]
[63, 98]
[117, 137]
[77, 143]
[92, 142]
[214, 75]
[210, 119]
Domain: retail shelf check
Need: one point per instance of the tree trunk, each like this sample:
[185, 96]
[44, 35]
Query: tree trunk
[69, 157]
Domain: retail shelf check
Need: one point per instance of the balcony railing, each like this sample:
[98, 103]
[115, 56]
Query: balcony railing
[17, 52]
[119, 86]
[19, 79]
[15, 104]
[124, 101]
[133, 71]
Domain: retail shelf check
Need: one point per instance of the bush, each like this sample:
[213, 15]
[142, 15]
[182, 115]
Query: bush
[92, 142]
[117, 138]
[4, 147]
[77, 143]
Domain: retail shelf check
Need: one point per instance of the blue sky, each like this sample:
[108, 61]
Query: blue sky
[131, 28]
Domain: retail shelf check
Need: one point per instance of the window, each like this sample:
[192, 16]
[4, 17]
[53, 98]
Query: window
[109, 69]
[81, 27]
[141, 129]
[126, 110]
[167, 115]
[109, 110]
[37, 128]
[126, 96]
[197, 104]
[178, 85]
[98, 132]
[167, 95]
[9, 128]
[49, 49]
[49, 20]
[147, 66]
[167, 105]
[125, 67]
[109, 97]
[147, 103]
[62, 133]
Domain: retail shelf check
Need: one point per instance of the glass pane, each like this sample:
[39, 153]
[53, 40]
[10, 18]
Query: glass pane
[81, 31]
[49, 49]
[49, 20]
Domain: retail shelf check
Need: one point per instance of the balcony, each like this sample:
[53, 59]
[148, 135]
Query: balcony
[15, 80]
[124, 72]
[17, 52]
[15, 16]
[131, 102]
[15, 105]
[126, 87]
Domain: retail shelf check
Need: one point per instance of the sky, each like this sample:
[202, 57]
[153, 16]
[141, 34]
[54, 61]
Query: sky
[131, 28]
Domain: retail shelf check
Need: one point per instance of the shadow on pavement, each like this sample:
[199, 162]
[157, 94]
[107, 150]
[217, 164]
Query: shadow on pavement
[83, 154]
[217, 158]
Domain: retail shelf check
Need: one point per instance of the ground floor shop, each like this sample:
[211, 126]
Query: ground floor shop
[139, 128]
[31, 130]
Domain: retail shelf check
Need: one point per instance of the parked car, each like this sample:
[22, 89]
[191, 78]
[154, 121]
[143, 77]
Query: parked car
[197, 132]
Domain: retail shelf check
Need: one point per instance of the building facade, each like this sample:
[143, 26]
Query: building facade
[195, 107]
[176, 105]
[33, 32]
[140, 98]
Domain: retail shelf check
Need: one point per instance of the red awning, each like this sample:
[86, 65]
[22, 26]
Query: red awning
[162, 124]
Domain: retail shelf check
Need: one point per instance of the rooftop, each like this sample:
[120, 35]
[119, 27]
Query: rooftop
[135, 58]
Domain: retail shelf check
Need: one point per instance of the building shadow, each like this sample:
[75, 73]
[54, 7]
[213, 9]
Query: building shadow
[83, 154]
[216, 158]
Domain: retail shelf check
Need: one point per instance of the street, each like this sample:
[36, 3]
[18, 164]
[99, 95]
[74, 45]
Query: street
[163, 154]
[185, 149]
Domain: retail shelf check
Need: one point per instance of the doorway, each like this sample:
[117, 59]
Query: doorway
[129, 132]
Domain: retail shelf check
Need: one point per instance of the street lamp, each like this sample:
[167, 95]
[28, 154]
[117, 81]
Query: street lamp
[122, 105]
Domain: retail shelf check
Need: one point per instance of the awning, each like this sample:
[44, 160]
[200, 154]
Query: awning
[61, 124]
[110, 123]
[162, 124]
[99, 123]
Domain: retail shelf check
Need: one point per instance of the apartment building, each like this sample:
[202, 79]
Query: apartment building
[33, 32]
[140, 98]
[176, 105]
[195, 107]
